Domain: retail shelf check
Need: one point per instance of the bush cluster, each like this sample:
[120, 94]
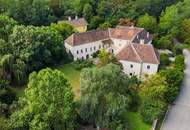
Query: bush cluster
[80, 64]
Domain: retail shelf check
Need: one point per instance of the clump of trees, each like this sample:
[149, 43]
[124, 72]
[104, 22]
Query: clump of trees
[105, 96]
[152, 93]
[47, 103]
[24, 49]
[164, 60]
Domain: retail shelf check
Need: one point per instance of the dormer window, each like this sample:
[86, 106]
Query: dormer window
[131, 66]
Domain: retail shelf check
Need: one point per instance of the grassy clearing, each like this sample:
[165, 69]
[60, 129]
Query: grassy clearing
[73, 77]
[135, 122]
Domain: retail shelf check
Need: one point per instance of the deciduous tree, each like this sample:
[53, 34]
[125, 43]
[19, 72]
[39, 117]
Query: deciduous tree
[47, 103]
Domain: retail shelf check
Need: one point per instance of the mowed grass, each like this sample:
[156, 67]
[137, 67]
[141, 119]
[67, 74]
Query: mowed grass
[135, 122]
[73, 76]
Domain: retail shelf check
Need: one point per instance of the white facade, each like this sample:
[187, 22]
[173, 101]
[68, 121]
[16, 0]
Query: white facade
[84, 51]
[139, 69]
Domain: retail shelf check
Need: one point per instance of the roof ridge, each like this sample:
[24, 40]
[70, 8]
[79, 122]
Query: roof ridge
[95, 30]
[135, 51]
[121, 49]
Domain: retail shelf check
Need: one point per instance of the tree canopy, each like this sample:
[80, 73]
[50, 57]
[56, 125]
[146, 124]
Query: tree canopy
[47, 103]
[105, 96]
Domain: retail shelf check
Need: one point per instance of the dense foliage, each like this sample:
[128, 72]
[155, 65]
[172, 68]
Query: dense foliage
[29, 48]
[152, 95]
[32, 37]
[105, 96]
[80, 64]
[47, 103]
[7, 96]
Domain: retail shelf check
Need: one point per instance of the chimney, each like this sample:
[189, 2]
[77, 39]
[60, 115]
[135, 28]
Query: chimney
[141, 41]
[148, 34]
[132, 26]
[76, 17]
[69, 18]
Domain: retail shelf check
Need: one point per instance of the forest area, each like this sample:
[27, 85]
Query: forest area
[32, 39]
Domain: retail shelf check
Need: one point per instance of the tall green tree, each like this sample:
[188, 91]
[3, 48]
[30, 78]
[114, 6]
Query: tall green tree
[105, 96]
[170, 21]
[185, 31]
[6, 26]
[37, 46]
[174, 79]
[32, 12]
[63, 28]
[148, 22]
[47, 103]
[153, 98]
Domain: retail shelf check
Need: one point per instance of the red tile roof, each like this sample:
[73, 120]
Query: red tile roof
[120, 32]
[77, 22]
[124, 32]
[145, 53]
[87, 37]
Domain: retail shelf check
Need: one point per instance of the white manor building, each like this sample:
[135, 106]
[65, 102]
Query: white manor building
[131, 46]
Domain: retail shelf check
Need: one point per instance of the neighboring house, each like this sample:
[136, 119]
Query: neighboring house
[131, 46]
[80, 24]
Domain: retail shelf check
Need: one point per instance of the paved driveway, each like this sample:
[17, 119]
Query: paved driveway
[178, 117]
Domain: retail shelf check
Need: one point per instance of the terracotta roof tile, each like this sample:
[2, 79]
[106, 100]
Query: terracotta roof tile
[128, 53]
[120, 32]
[87, 37]
[77, 22]
[145, 53]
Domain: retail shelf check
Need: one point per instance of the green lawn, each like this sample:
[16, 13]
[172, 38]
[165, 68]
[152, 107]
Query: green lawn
[135, 122]
[73, 77]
